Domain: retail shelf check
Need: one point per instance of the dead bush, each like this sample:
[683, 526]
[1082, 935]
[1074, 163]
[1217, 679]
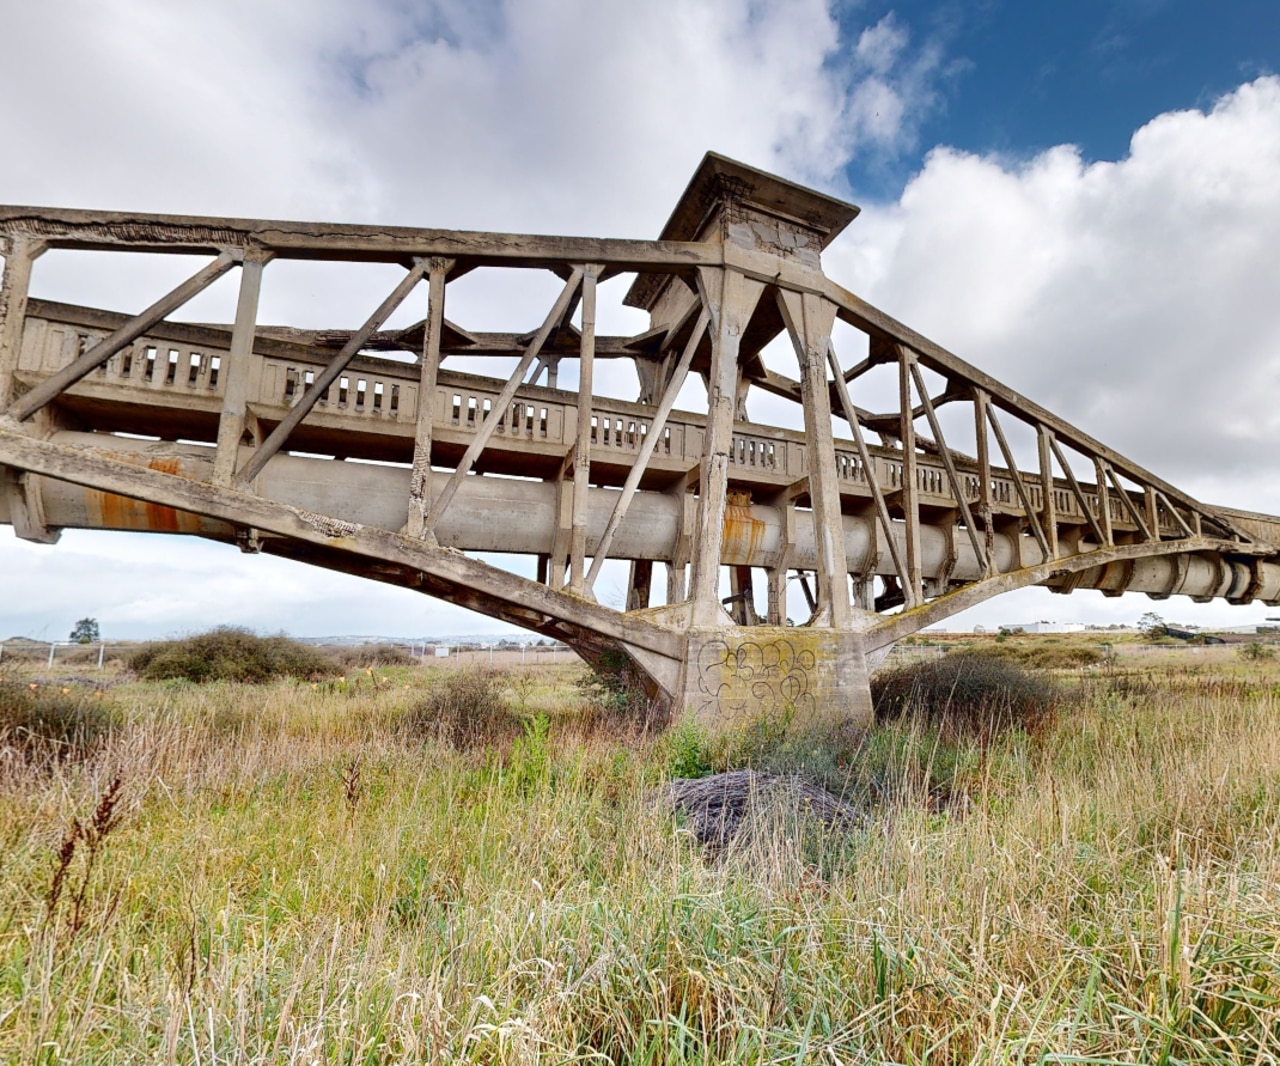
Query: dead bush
[465, 708]
[51, 721]
[971, 693]
[20, 650]
[365, 656]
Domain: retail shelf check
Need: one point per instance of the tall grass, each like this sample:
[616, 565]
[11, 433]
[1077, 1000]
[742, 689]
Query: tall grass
[1106, 892]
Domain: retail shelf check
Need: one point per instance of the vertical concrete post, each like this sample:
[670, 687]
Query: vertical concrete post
[640, 584]
[235, 394]
[582, 444]
[1104, 501]
[809, 320]
[777, 578]
[910, 487]
[730, 298]
[984, 477]
[742, 591]
[420, 478]
[1049, 501]
[19, 256]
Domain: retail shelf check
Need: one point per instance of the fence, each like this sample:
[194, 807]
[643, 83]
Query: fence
[93, 654]
[100, 653]
[496, 655]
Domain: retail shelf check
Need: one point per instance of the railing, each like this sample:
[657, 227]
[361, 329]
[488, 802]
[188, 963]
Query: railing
[384, 392]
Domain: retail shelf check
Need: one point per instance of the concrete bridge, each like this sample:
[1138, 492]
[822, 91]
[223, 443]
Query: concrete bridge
[361, 451]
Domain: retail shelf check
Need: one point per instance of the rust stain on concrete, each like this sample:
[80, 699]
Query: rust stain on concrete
[743, 533]
[121, 512]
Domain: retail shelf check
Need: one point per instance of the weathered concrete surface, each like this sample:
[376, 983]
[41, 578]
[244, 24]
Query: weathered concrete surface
[504, 515]
[776, 678]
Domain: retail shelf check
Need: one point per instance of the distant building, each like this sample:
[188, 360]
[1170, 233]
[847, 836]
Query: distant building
[1044, 627]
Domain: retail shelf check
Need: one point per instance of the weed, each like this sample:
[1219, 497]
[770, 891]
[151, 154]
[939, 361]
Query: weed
[351, 786]
[530, 764]
[687, 746]
[85, 839]
[1101, 891]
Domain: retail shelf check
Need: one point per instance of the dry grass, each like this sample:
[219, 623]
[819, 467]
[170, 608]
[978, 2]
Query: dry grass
[290, 876]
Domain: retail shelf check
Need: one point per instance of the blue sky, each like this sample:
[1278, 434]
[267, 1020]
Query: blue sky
[1019, 76]
[1081, 199]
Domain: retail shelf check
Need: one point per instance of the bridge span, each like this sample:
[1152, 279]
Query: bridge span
[364, 451]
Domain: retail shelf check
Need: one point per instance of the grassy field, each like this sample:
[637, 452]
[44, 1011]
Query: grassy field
[316, 872]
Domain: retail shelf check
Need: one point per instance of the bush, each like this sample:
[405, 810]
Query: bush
[362, 656]
[229, 653]
[612, 684]
[21, 650]
[967, 692]
[1256, 651]
[39, 720]
[466, 708]
[1048, 654]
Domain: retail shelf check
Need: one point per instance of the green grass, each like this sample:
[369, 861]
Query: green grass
[292, 876]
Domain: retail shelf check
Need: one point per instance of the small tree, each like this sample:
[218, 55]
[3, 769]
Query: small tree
[86, 631]
[1151, 625]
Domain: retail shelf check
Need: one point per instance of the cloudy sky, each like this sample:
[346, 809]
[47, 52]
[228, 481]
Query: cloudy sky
[1083, 200]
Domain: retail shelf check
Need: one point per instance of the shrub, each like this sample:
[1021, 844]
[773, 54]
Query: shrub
[229, 653]
[465, 708]
[362, 656]
[967, 692]
[48, 720]
[1048, 654]
[1256, 651]
[613, 684]
[21, 650]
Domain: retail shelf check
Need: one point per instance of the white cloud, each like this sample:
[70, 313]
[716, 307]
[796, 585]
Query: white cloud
[1134, 298]
[545, 115]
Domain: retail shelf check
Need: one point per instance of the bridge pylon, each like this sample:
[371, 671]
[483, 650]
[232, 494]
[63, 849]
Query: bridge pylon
[384, 452]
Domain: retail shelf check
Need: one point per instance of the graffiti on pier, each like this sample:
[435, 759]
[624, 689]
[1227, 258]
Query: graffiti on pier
[769, 680]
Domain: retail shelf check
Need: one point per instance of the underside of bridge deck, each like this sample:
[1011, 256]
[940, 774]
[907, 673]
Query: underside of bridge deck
[360, 451]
